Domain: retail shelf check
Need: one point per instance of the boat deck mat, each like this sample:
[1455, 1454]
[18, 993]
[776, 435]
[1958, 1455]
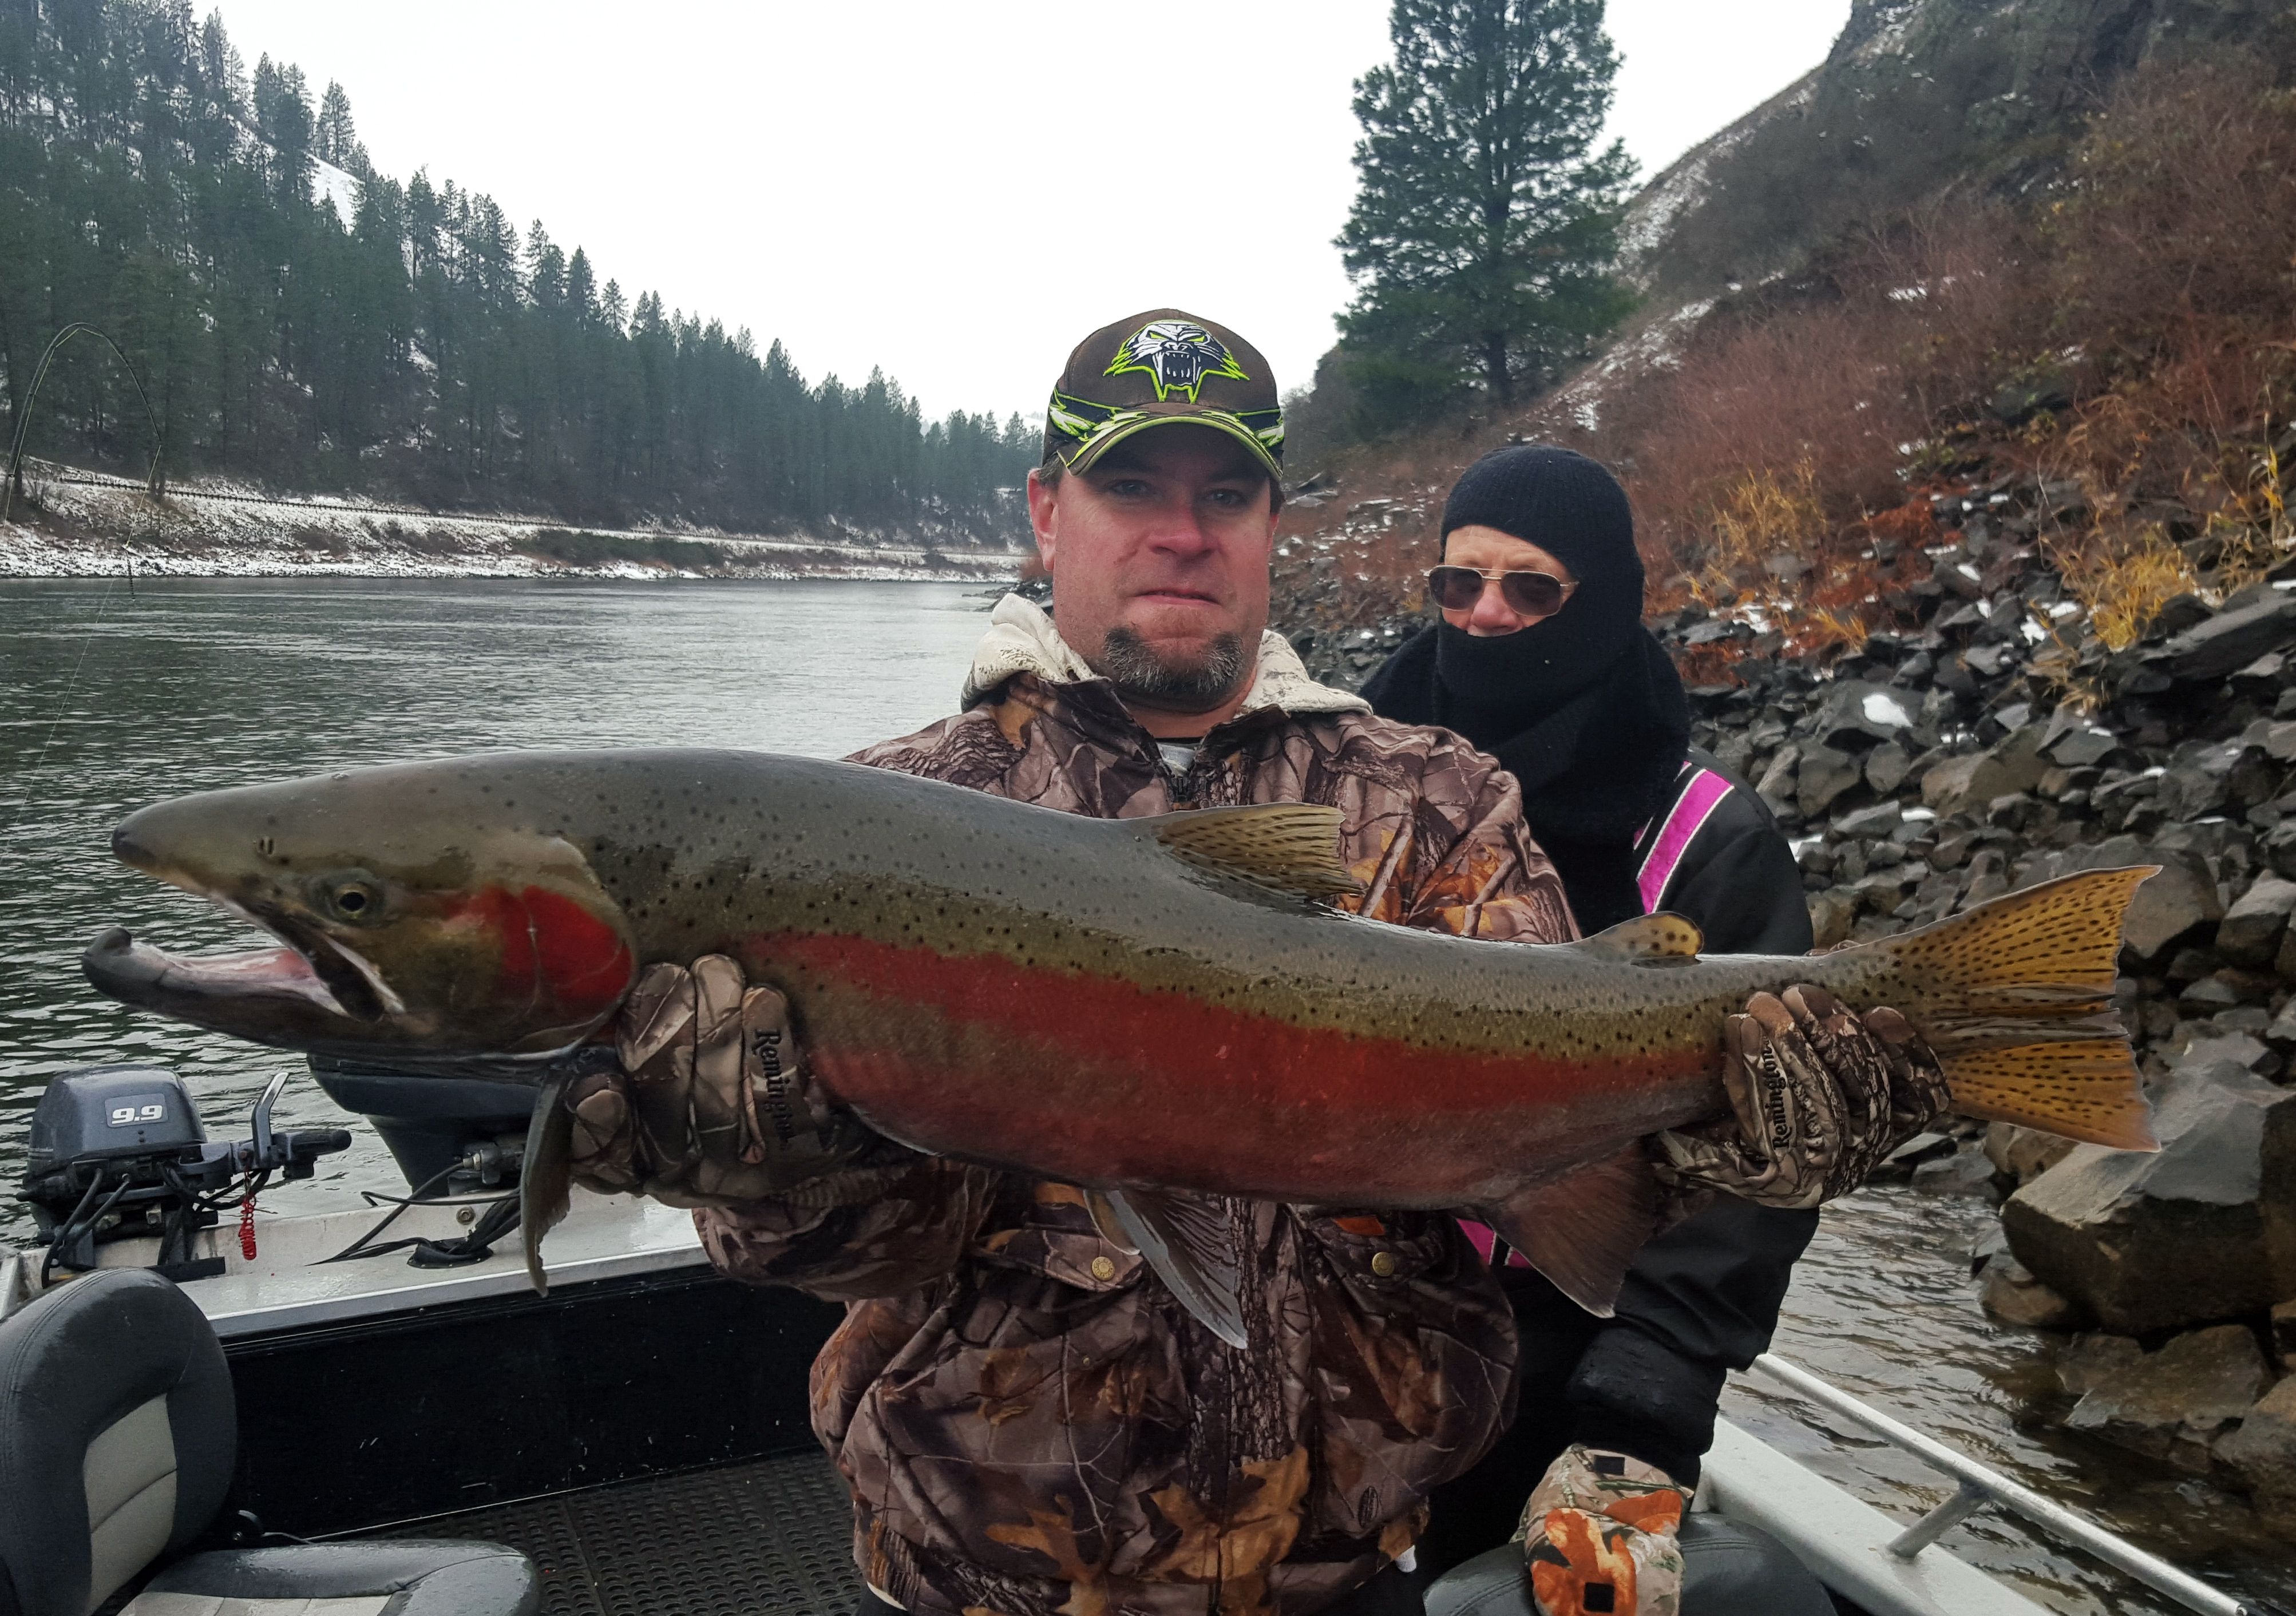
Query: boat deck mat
[770, 1537]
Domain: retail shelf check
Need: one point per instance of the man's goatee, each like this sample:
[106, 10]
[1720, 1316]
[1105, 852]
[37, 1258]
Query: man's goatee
[1140, 674]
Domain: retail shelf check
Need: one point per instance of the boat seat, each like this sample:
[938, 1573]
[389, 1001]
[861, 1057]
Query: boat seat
[402, 1577]
[1728, 1569]
[119, 1435]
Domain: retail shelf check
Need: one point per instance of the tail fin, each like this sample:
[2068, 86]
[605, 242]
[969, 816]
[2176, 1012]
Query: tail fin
[2019, 1008]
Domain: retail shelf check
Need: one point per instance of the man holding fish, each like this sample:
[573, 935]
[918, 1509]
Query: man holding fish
[1136, 1156]
[1030, 1420]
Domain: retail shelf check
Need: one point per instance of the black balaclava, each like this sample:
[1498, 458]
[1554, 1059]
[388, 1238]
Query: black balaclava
[1583, 708]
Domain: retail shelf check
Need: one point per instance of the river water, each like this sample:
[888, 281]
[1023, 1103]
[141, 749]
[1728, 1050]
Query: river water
[110, 699]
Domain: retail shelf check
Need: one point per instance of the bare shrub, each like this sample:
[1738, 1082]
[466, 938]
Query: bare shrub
[2181, 211]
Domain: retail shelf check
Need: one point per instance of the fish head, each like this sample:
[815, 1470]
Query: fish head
[426, 920]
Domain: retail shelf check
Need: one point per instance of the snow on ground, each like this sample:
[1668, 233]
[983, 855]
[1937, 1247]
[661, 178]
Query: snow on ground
[219, 528]
[1652, 212]
[331, 183]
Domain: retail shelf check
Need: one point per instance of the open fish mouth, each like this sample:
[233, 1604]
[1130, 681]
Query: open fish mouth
[135, 973]
[289, 997]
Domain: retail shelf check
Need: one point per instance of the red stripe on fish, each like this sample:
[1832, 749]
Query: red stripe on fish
[1333, 1101]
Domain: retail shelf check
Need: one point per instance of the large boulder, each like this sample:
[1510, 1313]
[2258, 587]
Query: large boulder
[2169, 908]
[2250, 932]
[2262, 1453]
[1832, 913]
[1888, 764]
[2085, 1360]
[2207, 651]
[1775, 787]
[2199, 1231]
[1823, 776]
[2013, 764]
[2009, 1293]
[1857, 714]
[2277, 1208]
[2176, 1403]
[2082, 746]
[2024, 1154]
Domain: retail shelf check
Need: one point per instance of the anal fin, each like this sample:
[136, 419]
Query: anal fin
[1191, 1244]
[1582, 1231]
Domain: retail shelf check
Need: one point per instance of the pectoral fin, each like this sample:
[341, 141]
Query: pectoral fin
[1191, 1244]
[545, 1184]
[1583, 1231]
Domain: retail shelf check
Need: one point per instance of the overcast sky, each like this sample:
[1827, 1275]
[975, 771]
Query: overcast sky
[957, 192]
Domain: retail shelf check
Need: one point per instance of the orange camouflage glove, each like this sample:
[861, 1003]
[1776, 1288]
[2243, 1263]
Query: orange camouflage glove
[713, 1104]
[1599, 1533]
[1819, 1095]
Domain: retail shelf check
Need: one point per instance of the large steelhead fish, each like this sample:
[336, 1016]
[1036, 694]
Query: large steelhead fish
[1130, 1005]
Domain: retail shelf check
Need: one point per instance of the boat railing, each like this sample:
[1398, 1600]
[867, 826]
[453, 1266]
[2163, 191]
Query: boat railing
[1978, 1486]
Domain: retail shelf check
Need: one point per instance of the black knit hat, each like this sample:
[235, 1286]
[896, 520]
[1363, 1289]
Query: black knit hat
[1575, 511]
[1561, 501]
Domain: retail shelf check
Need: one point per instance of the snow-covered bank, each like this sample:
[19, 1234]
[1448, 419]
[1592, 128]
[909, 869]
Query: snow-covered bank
[215, 529]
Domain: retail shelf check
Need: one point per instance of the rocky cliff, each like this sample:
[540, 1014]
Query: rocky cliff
[1915, 96]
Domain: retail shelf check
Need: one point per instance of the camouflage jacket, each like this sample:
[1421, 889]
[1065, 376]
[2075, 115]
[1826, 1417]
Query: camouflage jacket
[1029, 1422]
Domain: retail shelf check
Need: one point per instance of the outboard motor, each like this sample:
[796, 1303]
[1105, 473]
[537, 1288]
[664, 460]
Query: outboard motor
[118, 1153]
[449, 1135]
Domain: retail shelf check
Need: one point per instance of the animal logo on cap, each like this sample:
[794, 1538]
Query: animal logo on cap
[1178, 354]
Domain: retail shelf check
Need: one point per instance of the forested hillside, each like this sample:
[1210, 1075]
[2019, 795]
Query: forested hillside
[304, 321]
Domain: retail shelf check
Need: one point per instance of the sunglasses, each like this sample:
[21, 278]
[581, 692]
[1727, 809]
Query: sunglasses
[1527, 594]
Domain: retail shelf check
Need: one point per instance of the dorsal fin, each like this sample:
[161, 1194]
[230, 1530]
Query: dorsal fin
[1648, 937]
[1291, 847]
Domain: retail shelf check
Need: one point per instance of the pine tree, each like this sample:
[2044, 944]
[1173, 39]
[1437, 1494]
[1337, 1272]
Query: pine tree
[337, 138]
[1485, 222]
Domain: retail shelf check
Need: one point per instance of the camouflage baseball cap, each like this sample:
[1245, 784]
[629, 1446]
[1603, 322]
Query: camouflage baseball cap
[1152, 370]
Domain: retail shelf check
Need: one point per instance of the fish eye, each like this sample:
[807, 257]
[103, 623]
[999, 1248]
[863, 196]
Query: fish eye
[352, 897]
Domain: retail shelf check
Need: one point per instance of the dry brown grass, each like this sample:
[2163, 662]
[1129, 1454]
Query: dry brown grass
[2123, 579]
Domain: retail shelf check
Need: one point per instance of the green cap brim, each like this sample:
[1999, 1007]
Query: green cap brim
[1088, 454]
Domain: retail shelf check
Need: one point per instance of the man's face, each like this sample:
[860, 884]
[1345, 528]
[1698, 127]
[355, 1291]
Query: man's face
[1489, 551]
[1159, 556]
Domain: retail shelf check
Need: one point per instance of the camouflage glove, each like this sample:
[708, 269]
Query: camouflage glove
[1599, 1535]
[713, 1104]
[1820, 1095]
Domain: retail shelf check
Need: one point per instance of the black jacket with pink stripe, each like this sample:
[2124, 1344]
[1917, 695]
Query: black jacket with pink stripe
[1714, 854]
[1702, 1299]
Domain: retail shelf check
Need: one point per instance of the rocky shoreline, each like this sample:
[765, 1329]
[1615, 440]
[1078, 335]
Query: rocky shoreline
[1993, 742]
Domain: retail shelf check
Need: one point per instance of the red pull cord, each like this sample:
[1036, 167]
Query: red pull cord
[247, 1228]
